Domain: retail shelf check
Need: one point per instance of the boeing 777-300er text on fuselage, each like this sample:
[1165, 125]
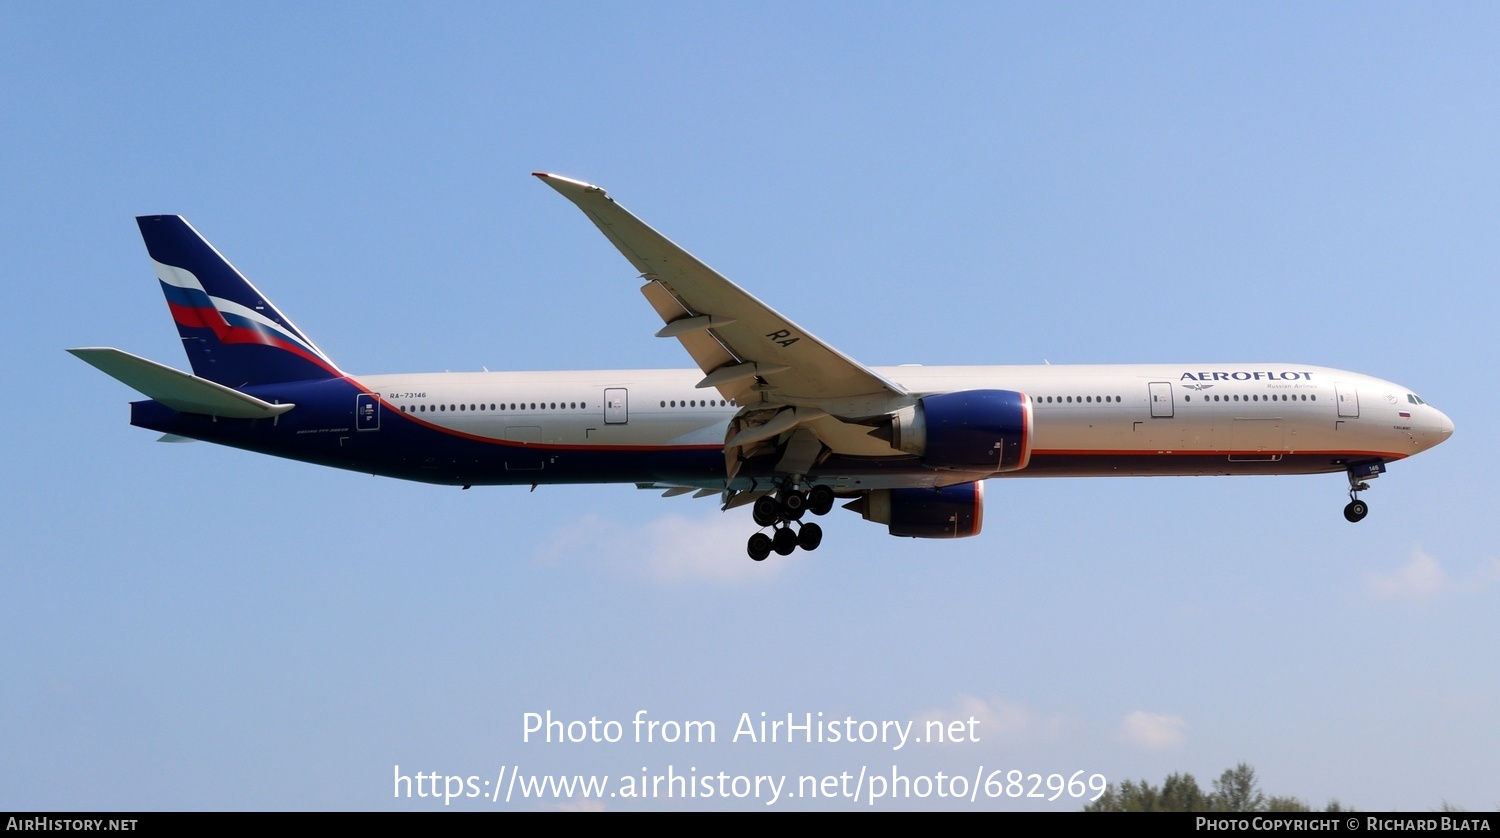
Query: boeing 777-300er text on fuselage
[773, 417]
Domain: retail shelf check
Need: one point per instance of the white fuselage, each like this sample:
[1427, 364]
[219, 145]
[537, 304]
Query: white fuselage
[1088, 420]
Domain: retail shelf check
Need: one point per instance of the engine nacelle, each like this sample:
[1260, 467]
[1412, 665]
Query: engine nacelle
[970, 430]
[949, 512]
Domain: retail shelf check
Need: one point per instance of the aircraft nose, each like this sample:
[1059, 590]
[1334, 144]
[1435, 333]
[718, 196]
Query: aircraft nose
[1444, 425]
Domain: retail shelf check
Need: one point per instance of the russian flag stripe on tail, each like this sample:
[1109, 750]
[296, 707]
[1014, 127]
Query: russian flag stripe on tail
[232, 334]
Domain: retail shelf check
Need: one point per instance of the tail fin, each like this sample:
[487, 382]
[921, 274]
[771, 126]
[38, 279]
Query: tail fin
[233, 335]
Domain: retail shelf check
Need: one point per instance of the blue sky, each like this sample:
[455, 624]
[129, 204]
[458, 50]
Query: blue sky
[195, 627]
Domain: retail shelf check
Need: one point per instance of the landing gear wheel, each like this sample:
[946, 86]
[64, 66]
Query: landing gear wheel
[759, 546]
[1356, 511]
[766, 511]
[784, 542]
[793, 503]
[820, 500]
[810, 536]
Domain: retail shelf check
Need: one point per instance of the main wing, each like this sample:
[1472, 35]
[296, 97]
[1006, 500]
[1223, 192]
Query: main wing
[786, 380]
[757, 340]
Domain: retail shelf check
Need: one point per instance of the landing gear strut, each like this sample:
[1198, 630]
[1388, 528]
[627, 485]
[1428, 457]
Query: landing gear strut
[1357, 509]
[780, 512]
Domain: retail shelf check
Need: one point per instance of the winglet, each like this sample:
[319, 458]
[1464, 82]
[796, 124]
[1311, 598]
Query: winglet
[567, 184]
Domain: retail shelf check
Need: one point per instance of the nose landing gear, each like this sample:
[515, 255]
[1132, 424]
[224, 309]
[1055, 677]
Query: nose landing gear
[1357, 509]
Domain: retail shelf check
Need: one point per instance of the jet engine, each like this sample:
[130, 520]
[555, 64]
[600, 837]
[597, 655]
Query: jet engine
[970, 430]
[948, 512]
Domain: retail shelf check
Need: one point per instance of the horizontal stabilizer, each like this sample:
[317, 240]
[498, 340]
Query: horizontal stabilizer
[177, 390]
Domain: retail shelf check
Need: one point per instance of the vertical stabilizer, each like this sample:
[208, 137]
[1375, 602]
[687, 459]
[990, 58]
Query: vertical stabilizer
[232, 334]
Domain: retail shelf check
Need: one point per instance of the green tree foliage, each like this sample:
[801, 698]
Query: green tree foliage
[1236, 790]
[1180, 793]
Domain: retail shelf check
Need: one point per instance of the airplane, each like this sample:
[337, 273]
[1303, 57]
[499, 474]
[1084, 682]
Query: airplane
[772, 418]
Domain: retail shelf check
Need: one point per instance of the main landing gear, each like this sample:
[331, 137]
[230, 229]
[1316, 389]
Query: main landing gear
[780, 512]
[1358, 509]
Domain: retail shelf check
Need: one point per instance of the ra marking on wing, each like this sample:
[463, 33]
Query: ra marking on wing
[783, 337]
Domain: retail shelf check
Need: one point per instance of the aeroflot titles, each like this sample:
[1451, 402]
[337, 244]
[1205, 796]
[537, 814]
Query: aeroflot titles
[1246, 376]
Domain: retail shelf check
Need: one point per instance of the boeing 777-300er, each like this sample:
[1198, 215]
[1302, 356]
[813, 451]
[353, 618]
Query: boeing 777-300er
[773, 417]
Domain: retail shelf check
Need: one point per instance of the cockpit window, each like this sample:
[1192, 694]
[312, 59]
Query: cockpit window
[1414, 399]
